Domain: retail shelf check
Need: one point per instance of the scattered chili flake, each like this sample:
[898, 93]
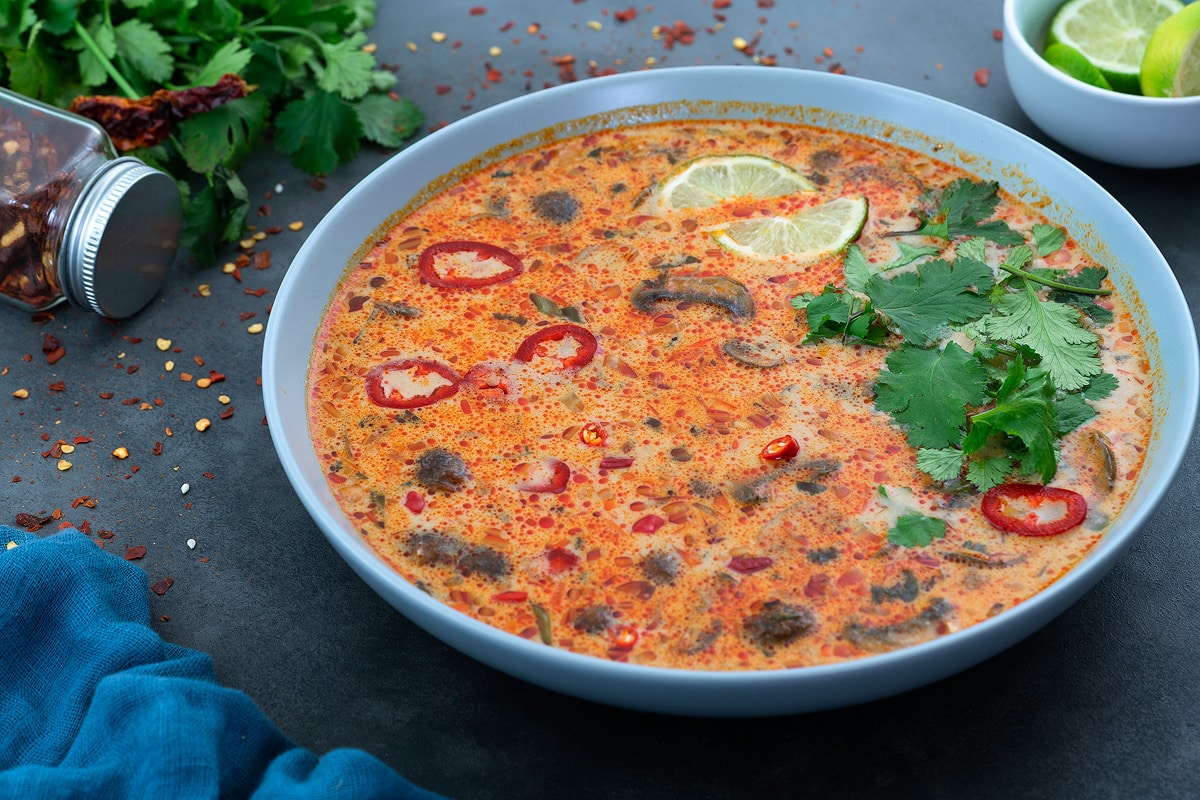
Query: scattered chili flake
[58, 386]
[208, 475]
[106, 395]
[160, 587]
[997, 34]
[477, 11]
[259, 292]
[52, 348]
[31, 522]
[226, 413]
[157, 448]
[105, 534]
[983, 76]
[81, 440]
[135, 552]
[85, 501]
[631, 13]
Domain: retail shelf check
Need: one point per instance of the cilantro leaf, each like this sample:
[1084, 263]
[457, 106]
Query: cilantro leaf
[1101, 386]
[347, 70]
[923, 303]
[319, 132]
[1048, 238]
[963, 207]
[1028, 413]
[834, 314]
[942, 464]
[856, 268]
[225, 135]
[988, 472]
[1071, 411]
[388, 121]
[144, 49]
[928, 391]
[1050, 329]
[232, 57]
[916, 530]
[1089, 279]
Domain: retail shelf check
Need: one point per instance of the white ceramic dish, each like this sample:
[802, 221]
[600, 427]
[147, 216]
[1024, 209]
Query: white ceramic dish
[923, 123]
[1124, 129]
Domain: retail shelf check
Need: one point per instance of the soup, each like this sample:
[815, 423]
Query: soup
[728, 395]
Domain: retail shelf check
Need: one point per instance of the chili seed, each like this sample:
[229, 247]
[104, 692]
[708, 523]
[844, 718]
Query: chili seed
[203, 424]
[121, 453]
[21, 394]
[256, 328]
[163, 344]
[63, 465]
[295, 226]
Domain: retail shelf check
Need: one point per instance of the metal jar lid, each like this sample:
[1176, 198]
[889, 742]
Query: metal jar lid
[121, 239]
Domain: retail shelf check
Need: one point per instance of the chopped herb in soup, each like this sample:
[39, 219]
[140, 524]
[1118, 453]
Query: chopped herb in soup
[729, 395]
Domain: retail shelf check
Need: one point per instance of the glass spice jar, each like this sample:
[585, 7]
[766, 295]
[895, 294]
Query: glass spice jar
[78, 222]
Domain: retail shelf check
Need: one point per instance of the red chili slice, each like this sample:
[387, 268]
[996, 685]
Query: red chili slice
[551, 476]
[615, 462]
[749, 564]
[449, 265]
[539, 343]
[1016, 507]
[648, 524]
[489, 381]
[784, 448]
[510, 597]
[411, 383]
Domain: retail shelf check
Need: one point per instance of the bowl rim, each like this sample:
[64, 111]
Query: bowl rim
[650, 687]
[1015, 35]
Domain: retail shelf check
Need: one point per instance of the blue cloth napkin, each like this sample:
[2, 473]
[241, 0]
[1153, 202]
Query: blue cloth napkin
[94, 704]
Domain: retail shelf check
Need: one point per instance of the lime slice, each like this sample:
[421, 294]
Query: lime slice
[1112, 34]
[712, 180]
[1171, 66]
[1074, 63]
[815, 232]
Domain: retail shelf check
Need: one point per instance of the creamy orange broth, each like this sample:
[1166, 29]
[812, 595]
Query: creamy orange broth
[699, 554]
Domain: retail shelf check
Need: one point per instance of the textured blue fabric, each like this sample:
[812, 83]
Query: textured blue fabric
[94, 704]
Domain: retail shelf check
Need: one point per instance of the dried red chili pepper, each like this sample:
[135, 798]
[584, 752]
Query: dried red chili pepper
[411, 383]
[538, 344]
[1022, 508]
[148, 121]
[785, 448]
[467, 265]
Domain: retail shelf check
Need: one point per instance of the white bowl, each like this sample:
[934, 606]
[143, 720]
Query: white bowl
[932, 126]
[1124, 129]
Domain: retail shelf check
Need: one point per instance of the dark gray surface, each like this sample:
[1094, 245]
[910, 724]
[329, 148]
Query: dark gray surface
[1103, 702]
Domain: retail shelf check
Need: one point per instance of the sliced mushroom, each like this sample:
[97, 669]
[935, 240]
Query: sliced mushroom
[440, 470]
[914, 630]
[762, 352]
[714, 290]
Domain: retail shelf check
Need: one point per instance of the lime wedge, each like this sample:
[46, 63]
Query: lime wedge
[712, 180]
[1074, 63]
[1171, 66]
[1112, 34]
[815, 232]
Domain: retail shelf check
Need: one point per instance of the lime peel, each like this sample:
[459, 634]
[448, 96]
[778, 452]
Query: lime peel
[811, 234]
[712, 180]
[1112, 34]
[1171, 65]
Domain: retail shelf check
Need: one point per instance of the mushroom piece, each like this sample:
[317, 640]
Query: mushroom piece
[557, 206]
[713, 290]
[439, 469]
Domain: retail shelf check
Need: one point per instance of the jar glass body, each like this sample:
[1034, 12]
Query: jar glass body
[49, 158]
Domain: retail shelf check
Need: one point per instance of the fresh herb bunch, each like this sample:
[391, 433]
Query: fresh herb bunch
[316, 84]
[1002, 404]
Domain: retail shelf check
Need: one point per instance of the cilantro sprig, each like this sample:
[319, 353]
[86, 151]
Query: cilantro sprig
[317, 85]
[992, 363]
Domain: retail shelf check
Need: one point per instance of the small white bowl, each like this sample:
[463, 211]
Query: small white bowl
[1124, 129]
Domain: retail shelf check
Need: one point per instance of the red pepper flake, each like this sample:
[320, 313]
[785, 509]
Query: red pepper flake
[131, 401]
[135, 552]
[81, 440]
[680, 32]
[442, 88]
[208, 475]
[106, 395]
[52, 348]
[997, 34]
[631, 12]
[58, 386]
[477, 11]
[86, 527]
[215, 377]
[719, 4]
[160, 587]
[766, 3]
[493, 75]
[105, 534]
[983, 76]
[157, 449]
[259, 292]
[85, 501]
[262, 260]
[32, 522]
[226, 413]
